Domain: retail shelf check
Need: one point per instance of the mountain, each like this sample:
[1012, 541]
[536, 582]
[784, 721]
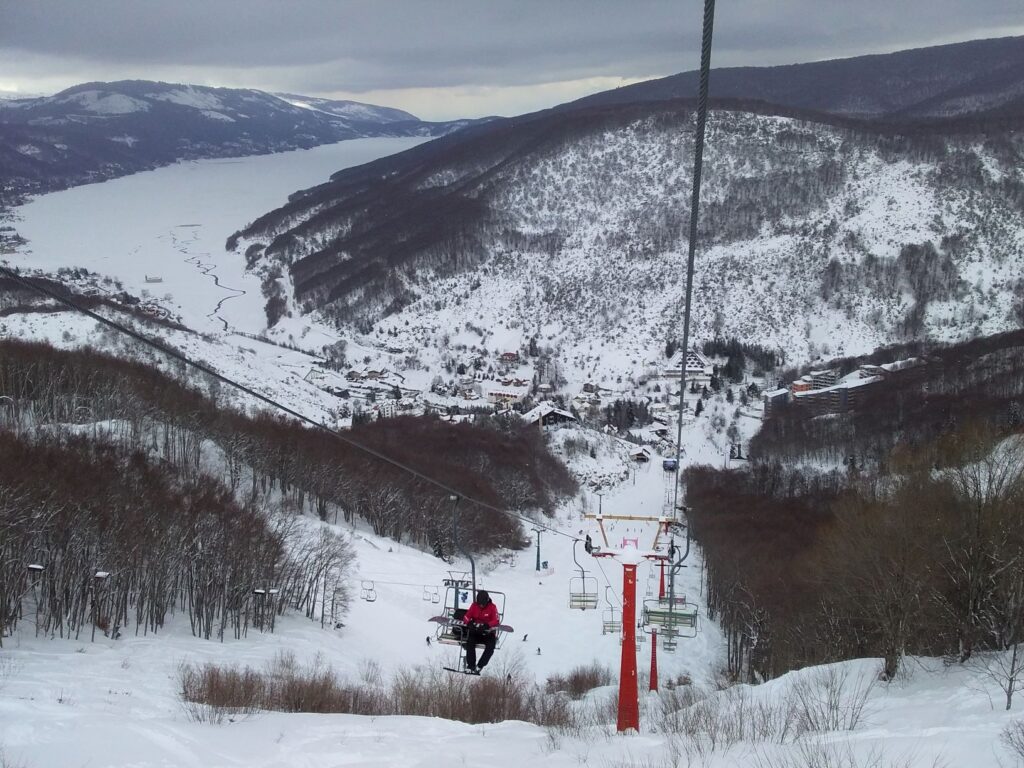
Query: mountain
[97, 131]
[349, 109]
[938, 81]
[570, 227]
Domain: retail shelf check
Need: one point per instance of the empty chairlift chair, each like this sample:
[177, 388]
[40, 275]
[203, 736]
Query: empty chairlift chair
[611, 617]
[582, 588]
[673, 618]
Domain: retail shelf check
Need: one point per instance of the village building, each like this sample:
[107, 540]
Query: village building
[497, 396]
[698, 368]
[825, 392]
[316, 376]
[774, 399]
[547, 414]
[640, 455]
[387, 408]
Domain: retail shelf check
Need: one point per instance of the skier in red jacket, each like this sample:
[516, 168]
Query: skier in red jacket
[480, 620]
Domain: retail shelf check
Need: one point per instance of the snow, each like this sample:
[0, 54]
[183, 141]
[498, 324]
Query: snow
[209, 113]
[187, 96]
[107, 104]
[115, 703]
[174, 221]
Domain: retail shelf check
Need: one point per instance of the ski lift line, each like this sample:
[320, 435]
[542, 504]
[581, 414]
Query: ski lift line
[698, 167]
[606, 581]
[398, 583]
[174, 354]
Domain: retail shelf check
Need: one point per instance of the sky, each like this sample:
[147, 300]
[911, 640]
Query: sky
[442, 59]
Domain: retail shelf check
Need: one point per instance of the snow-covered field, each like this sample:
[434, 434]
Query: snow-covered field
[172, 224]
[114, 703]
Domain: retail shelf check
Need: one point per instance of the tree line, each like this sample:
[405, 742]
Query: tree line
[131, 449]
[919, 409]
[96, 536]
[807, 567]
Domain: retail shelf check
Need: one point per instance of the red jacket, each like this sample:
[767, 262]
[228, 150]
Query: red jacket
[487, 615]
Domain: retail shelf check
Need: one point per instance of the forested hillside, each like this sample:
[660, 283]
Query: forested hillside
[114, 466]
[894, 528]
[941, 80]
[816, 238]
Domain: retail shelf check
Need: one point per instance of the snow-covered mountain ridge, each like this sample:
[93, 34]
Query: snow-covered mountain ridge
[97, 131]
[570, 228]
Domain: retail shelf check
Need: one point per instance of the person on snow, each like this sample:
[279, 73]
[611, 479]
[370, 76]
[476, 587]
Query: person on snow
[480, 620]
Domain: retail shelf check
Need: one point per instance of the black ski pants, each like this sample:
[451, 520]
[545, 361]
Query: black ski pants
[473, 637]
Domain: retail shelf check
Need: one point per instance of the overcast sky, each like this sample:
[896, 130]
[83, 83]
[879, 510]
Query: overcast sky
[450, 58]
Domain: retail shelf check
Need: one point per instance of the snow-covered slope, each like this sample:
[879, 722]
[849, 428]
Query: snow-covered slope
[570, 228]
[354, 110]
[116, 703]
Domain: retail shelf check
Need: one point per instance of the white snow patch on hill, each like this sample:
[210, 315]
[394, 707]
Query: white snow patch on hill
[189, 97]
[107, 103]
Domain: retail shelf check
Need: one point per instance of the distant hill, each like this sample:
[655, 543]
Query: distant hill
[97, 131]
[939, 81]
[818, 235]
[354, 110]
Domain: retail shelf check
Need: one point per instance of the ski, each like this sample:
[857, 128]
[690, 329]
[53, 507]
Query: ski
[461, 671]
[449, 622]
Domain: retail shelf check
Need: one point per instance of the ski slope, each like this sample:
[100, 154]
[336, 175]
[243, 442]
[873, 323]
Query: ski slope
[114, 703]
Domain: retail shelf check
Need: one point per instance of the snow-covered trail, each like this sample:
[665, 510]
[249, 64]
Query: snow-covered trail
[174, 221]
[113, 704]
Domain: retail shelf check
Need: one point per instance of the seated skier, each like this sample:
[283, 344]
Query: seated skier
[480, 620]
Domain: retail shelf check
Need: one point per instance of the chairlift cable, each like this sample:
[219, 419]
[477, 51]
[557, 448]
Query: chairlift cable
[607, 582]
[698, 166]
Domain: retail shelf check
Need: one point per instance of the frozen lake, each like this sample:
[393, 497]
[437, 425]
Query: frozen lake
[172, 223]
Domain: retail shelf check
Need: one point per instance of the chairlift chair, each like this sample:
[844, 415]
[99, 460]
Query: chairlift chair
[611, 617]
[674, 618]
[367, 591]
[460, 591]
[582, 588]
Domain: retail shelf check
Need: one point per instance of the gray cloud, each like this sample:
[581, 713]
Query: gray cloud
[342, 46]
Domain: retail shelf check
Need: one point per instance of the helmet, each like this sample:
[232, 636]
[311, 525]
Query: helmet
[482, 598]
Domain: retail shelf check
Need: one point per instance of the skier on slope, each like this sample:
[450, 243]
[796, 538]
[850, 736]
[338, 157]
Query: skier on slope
[480, 620]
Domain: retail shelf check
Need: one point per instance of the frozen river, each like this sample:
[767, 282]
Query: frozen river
[172, 224]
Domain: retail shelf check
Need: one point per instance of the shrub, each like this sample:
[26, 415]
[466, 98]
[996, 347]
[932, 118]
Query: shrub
[1013, 738]
[212, 694]
[580, 680]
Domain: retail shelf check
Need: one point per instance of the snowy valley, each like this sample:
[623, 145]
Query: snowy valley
[477, 339]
